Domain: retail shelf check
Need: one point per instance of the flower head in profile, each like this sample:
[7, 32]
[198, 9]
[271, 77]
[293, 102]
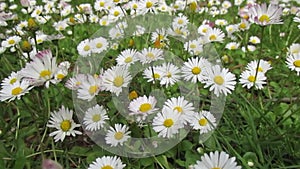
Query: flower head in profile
[293, 62]
[216, 160]
[107, 162]
[62, 121]
[265, 15]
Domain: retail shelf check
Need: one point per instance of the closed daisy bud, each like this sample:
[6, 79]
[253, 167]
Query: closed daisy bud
[131, 43]
[133, 95]
[32, 25]
[26, 46]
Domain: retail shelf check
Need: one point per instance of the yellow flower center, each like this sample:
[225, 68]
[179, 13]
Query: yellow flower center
[60, 76]
[193, 46]
[104, 22]
[296, 63]
[232, 47]
[107, 167]
[168, 123]
[116, 13]
[145, 107]
[99, 45]
[156, 76]
[178, 108]
[149, 4]
[128, 59]
[202, 122]
[251, 78]
[212, 37]
[264, 18]
[86, 48]
[133, 95]
[260, 69]
[118, 81]
[13, 80]
[204, 30]
[243, 25]
[169, 75]
[180, 21]
[11, 42]
[196, 70]
[16, 91]
[96, 117]
[65, 125]
[45, 74]
[218, 80]
[150, 55]
[116, 1]
[93, 89]
[102, 4]
[216, 168]
[119, 135]
[135, 6]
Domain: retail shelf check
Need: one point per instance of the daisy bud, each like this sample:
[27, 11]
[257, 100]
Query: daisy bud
[250, 163]
[32, 25]
[131, 43]
[193, 6]
[50, 164]
[133, 95]
[26, 46]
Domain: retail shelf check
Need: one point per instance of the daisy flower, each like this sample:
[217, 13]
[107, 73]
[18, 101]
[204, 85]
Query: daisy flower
[84, 48]
[192, 70]
[98, 45]
[221, 22]
[74, 82]
[293, 62]
[11, 41]
[294, 49]
[265, 15]
[167, 123]
[203, 121]
[116, 78]
[11, 79]
[214, 35]
[232, 45]
[220, 81]
[216, 160]
[101, 5]
[152, 74]
[42, 69]
[182, 106]
[254, 40]
[141, 107]
[249, 48]
[231, 29]
[148, 55]
[107, 162]
[243, 25]
[61, 72]
[178, 31]
[127, 57]
[203, 29]
[94, 118]
[115, 13]
[170, 74]
[116, 33]
[117, 135]
[194, 47]
[89, 88]
[249, 78]
[63, 122]
[146, 6]
[180, 21]
[263, 66]
[15, 90]
[159, 38]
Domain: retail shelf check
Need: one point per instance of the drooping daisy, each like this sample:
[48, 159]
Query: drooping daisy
[14, 90]
[127, 57]
[263, 66]
[249, 78]
[170, 74]
[232, 45]
[117, 135]
[41, 69]
[167, 123]
[192, 70]
[214, 35]
[203, 121]
[62, 120]
[293, 62]
[84, 48]
[216, 160]
[141, 107]
[94, 118]
[265, 15]
[220, 80]
[152, 74]
[181, 106]
[89, 88]
[107, 162]
[98, 45]
[148, 55]
[116, 78]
